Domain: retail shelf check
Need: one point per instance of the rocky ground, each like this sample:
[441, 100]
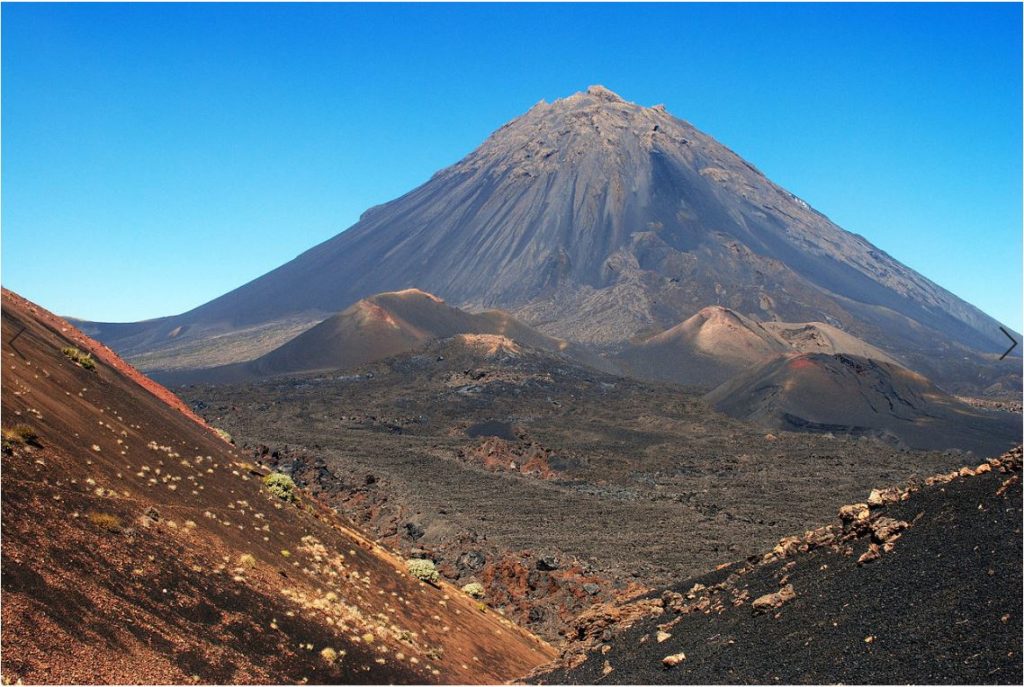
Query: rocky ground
[556, 486]
[916, 585]
[1006, 403]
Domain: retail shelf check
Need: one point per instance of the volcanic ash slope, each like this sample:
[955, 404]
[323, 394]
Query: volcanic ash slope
[140, 547]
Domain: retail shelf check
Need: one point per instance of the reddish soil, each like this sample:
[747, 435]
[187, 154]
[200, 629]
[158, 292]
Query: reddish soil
[98, 350]
[498, 455]
[140, 548]
[801, 364]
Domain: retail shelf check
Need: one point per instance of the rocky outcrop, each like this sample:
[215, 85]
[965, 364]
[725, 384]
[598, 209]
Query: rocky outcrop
[500, 455]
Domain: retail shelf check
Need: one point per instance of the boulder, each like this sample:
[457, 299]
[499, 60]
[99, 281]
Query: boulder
[873, 553]
[414, 530]
[473, 560]
[774, 600]
[673, 659]
[886, 529]
[547, 563]
[854, 513]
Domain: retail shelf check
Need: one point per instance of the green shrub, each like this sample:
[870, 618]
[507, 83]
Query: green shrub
[79, 358]
[422, 570]
[280, 485]
[19, 435]
[224, 435]
[474, 589]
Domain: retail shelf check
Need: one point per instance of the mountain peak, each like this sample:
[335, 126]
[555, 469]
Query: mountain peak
[599, 91]
[602, 219]
[597, 97]
[593, 98]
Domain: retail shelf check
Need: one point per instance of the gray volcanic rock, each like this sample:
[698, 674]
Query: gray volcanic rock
[595, 219]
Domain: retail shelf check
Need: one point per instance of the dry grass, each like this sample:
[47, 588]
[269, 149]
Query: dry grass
[79, 358]
[106, 521]
[20, 434]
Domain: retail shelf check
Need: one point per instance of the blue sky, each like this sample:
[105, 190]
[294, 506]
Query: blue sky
[157, 156]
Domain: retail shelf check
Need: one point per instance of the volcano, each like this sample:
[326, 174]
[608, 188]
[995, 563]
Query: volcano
[374, 328]
[716, 344]
[594, 219]
[855, 396]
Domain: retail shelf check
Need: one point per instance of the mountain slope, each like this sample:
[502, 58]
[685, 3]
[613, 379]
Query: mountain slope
[594, 219]
[717, 343]
[139, 547]
[819, 337]
[705, 349]
[847, 394]
[373, 329]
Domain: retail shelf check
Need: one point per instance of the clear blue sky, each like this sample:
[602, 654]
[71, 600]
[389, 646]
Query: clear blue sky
[157, 156]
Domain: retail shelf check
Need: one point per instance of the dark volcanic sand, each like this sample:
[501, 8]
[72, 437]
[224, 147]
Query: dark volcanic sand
[943, 607]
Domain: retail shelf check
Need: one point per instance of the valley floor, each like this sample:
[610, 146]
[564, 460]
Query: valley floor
[497, 468]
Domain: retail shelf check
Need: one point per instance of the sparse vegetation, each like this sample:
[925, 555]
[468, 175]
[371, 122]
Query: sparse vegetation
[474, 589]
[19, 435]
[224, 435]
[422, 569]
[281, 486]
[247, 560]
[79, 358]
[328, 654]
[106, 521]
